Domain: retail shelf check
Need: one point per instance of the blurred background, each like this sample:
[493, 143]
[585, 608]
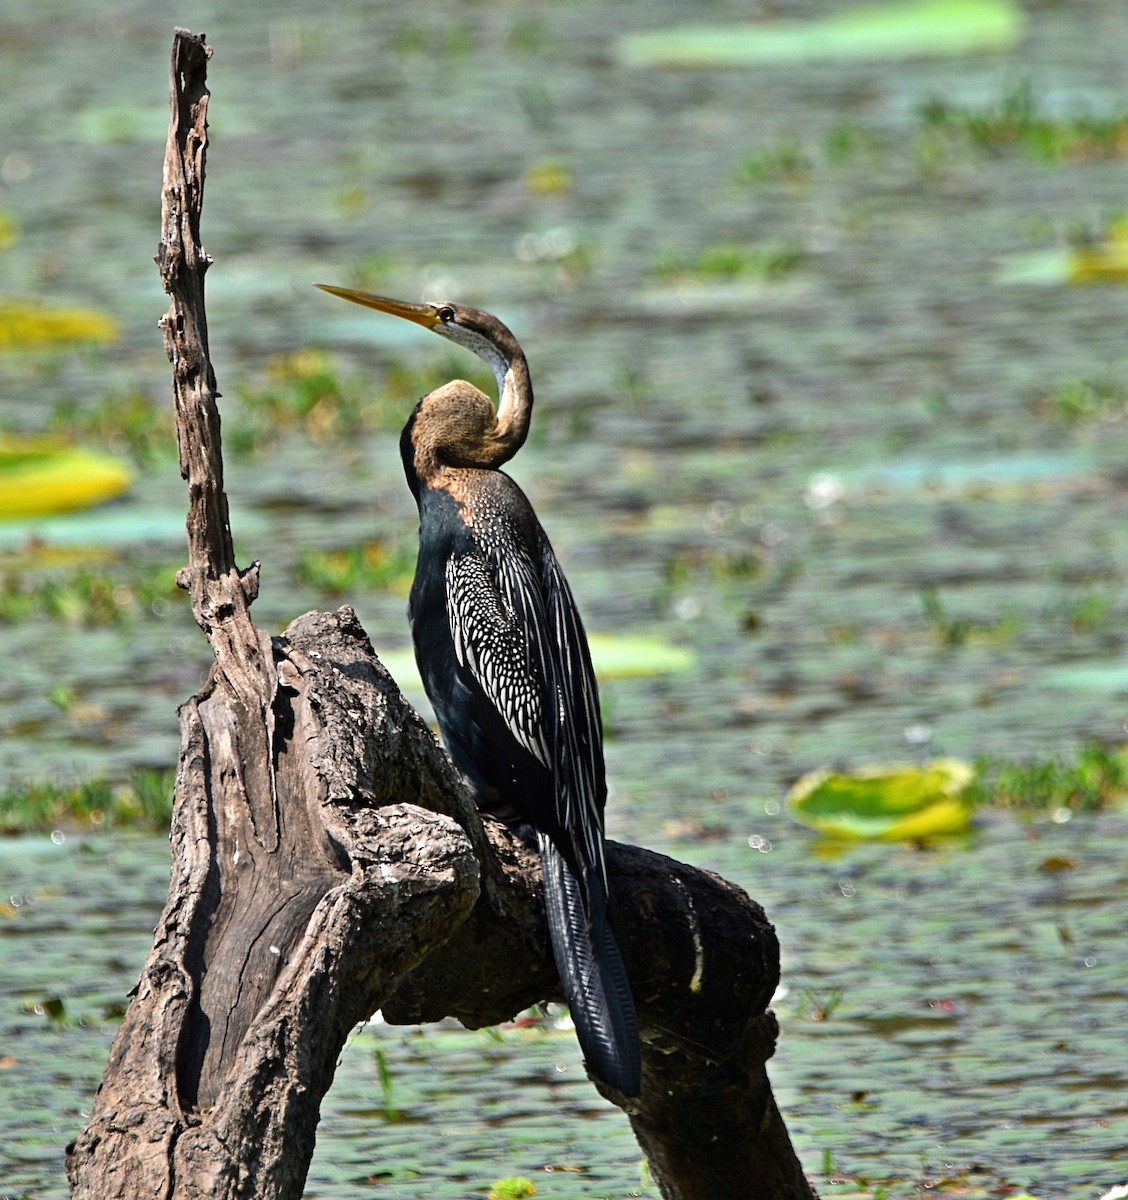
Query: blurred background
[825, 310]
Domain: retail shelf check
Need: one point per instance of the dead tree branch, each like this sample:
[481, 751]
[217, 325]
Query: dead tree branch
[327, 862]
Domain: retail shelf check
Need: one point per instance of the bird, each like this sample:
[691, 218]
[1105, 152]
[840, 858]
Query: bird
[505, 663]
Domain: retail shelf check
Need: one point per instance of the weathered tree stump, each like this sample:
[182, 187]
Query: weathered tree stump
[327, 861]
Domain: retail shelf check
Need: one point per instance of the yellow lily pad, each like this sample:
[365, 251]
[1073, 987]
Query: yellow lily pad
[1102, 262]
[26, 324]
[890, 802]
[40, 475]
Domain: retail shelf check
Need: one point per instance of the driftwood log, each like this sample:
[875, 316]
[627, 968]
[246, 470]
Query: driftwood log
[327, 861]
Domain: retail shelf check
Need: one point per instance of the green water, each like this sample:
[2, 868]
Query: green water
[852, 489]
[948, 1013]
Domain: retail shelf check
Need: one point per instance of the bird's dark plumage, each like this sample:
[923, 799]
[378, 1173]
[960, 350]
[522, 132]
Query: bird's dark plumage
[505, 661]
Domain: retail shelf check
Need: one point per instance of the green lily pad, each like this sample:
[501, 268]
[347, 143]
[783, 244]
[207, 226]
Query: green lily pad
[122, 525]
[1035, 268]
[925, 29]
[1109, 678]
[886, 802]
[614, 656]
[628, 656]
[39, 476]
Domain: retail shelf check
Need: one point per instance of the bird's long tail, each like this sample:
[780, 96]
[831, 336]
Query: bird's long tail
[592, 973]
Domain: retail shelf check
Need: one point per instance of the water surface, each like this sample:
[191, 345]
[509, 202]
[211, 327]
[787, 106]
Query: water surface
[852, 490]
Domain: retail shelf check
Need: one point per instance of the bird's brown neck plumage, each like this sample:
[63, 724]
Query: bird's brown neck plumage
[457, 426]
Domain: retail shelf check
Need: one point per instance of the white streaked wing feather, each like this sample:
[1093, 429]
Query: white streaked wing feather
[492, 640]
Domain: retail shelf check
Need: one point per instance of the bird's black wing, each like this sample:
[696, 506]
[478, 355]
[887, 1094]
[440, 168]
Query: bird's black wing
[520, 646]
[579, 740]
[518, 636]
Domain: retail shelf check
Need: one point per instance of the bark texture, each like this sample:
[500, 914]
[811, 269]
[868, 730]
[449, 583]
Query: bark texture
[327, 862]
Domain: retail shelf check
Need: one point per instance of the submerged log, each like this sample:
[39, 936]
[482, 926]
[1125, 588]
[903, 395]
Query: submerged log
[327, 861]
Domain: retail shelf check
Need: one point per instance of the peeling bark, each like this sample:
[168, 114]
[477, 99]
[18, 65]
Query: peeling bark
[327, 862]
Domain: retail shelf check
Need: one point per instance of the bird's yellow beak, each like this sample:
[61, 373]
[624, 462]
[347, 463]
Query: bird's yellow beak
[426, 315]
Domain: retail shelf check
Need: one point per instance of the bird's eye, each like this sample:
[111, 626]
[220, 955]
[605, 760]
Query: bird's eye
[446, 314]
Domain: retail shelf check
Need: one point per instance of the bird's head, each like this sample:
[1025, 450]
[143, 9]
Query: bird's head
[456, 423]
[478, 331]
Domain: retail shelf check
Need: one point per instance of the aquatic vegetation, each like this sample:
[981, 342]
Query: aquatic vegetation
[369, 272]
[125, 421]
[42, 475]
[1081, 401]
[952, 630]
[886, 802]
[768, 260]
[1093, 778]
[782, 161]
[716, 563]
[387, 1085]
[303, 391]
[921, 29]
[527, 35]
[813, 1006]
[373, 566]
[86, 593]
[1018, 119]
[447, 41]
[788, 161]
[306, 393]
[851, 141]
[144, 800]
[1090, 612]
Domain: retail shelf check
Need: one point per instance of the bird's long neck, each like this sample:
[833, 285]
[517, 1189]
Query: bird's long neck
[457, 426]
[514, 388]
[514, 404]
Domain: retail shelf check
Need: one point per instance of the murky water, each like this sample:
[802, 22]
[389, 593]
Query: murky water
[853, 491]
[955, 1013]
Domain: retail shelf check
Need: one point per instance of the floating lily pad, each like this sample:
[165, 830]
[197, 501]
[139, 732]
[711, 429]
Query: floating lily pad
[926, 29]
[1109, 678]
[614, 656]
[123, 525]
[39, 476]
[1104, 261]
[1013, 474]
[625, 656]
[886, 802]
[26, 324]
[1035, 268]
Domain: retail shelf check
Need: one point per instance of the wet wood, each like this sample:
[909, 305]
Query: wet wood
[327, 862]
